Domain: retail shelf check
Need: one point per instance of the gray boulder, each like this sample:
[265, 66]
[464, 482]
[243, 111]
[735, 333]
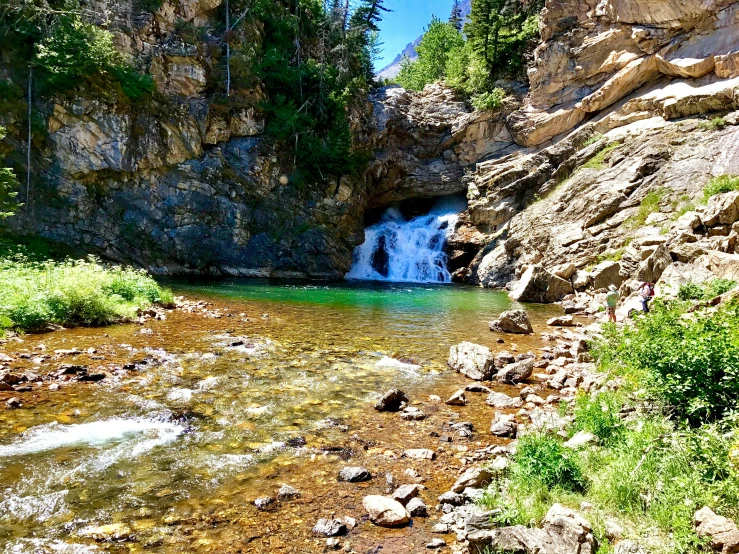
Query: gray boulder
[473, 360]
[563, 532]
[516, 372]
[512, 321]
[539, 286]
[503, 401]
[605, 274]
[722, 209]
[504, 426]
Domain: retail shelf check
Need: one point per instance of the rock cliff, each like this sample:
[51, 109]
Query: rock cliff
[585, 169]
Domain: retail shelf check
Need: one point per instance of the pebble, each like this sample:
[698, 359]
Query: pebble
[436, 543]
[263, 502]
[14, 402]
[287, 492]
[354, 474]
[417, 508]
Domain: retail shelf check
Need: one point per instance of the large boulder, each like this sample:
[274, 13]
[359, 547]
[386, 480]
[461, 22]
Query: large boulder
[503, 401]
[512, 321]
[722, 532]
[725, 266]
[678, 274]
[516, 372]
[504, 425]
[539, 286]
[722, 209]
[473, 360]
[605, 274]
[564, 532]
[651, 269]
[385, 512]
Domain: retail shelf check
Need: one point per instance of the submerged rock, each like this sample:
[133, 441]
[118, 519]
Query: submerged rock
[385, 512]
[512, 321]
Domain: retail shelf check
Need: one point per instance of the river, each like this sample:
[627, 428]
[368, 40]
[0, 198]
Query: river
[274, 384]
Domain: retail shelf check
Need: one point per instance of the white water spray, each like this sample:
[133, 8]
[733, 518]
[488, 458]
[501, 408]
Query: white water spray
[408, 251]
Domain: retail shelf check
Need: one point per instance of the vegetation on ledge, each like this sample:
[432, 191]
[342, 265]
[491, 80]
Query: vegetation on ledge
[38, 292]
[665, 442]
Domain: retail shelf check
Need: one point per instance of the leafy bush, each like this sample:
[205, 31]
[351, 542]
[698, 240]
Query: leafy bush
[487, 101]
[712, 289]
[75, 51]
[542, 458]
[600, 416]
[73, 292]
[690, 364]
[719, 185]
[8, 184]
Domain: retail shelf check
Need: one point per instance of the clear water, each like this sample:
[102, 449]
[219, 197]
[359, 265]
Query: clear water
[177, 449]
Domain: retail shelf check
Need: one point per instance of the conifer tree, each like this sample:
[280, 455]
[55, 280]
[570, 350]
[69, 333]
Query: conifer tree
[456, 17]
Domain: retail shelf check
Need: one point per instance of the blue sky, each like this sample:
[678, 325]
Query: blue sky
[406, 23]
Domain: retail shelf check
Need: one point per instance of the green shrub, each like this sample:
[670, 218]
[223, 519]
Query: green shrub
[488, 101]
[542, 458]
[721, 184]
[648, 206]
[713, 124]
[600, 416]
[73, 292]
[712, 289]
[690, 364]
[592, 140]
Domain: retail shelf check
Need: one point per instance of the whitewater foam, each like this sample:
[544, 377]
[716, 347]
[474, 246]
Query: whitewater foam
[97, 433]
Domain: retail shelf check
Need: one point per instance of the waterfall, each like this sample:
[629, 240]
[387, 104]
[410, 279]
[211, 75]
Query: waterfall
[396, 249]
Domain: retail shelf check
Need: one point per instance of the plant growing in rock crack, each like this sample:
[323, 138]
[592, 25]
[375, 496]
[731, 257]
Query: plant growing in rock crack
[597, 162]
[713, 124]
[720, 185]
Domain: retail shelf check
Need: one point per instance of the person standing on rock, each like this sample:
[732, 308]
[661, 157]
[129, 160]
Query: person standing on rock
[611, 302]
[646, 293]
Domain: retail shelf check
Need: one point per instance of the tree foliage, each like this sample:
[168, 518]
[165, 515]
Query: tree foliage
[440, 40]
[8, 186]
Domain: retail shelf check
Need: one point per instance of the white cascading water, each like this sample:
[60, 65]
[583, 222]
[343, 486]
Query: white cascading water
[408, 251]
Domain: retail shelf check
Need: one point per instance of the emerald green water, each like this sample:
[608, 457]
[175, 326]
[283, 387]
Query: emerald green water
[268, 364]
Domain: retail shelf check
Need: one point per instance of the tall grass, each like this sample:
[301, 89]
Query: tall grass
[71, 292]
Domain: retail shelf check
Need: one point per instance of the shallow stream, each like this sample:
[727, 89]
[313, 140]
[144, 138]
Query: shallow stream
[274, 384]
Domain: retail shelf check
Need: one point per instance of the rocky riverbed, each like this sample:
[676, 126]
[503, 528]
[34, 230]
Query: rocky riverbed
[195, 431]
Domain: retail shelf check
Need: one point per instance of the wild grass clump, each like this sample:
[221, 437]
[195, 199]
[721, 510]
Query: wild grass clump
[713, 124]
[649, 205]
[542, 458]
[72, 292]
[712, 289]
[719, 185]
[598, 161]
[599, 416]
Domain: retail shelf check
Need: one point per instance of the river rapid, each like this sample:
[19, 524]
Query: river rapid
[204, 412]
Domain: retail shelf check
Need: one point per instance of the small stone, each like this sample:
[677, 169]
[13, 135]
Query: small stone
[329, 527]
[441, 528]
[562, 321]
[412, 414]
[287, 492]
[452, 498]
[54, 386]
[417, 508]
[504, 426]
[391, 401]
[405, 493]
[613, 530]
[457, 399]
[503, 401]
[419, 454]
[263, 502]
[579, 439]
[473, 477]
[436, 543]
[385, 512]
[434, 398]
[14, 402]
[354, 474]
[333, 544]
[516, 372]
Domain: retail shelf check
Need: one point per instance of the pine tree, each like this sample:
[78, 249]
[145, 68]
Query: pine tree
[456, 17]
[368, 15]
